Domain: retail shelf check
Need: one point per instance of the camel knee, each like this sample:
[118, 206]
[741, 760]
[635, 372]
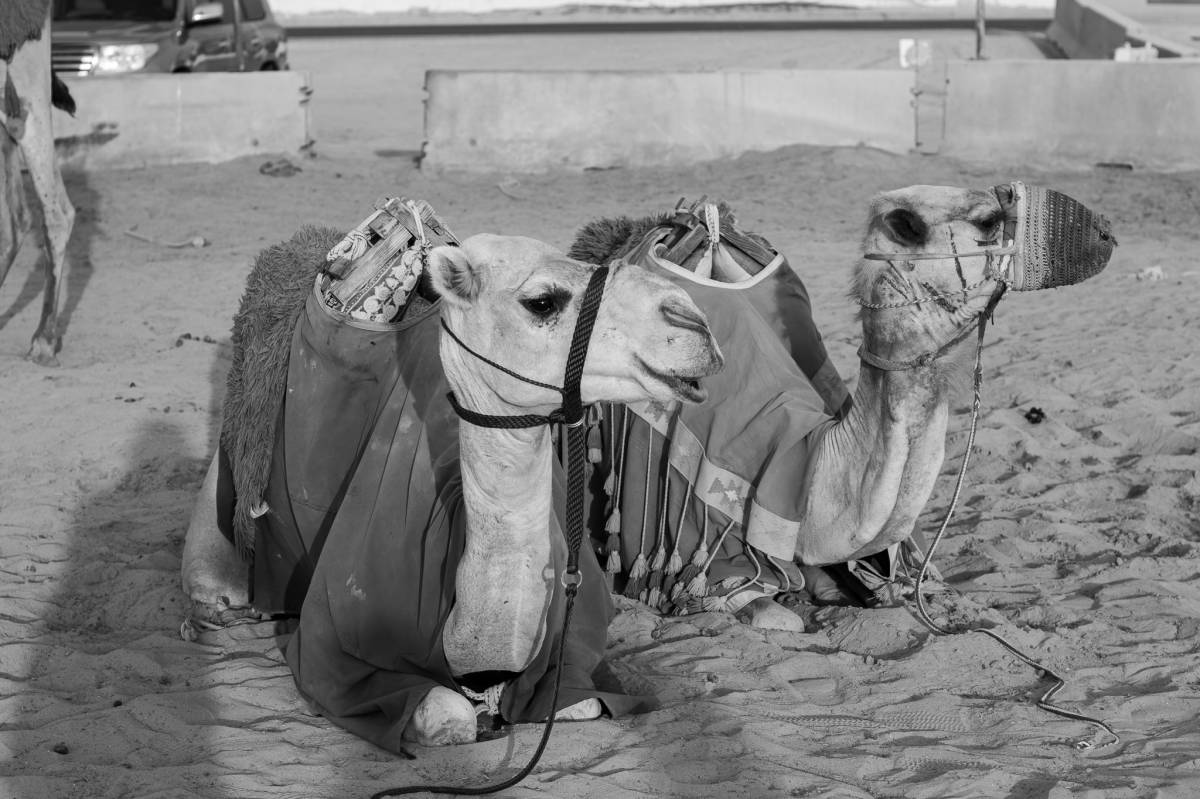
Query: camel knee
[766, 614]
[586, 710]
[443, 718]
[212, 570]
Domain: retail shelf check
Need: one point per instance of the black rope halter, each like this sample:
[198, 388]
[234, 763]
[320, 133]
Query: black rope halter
[570, 414]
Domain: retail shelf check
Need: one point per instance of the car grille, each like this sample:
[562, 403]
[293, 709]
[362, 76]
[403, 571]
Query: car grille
[73, 59]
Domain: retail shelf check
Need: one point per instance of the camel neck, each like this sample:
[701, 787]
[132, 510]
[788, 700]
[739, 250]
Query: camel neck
[505, 576]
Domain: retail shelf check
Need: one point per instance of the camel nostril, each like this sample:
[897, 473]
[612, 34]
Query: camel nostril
[679, 314]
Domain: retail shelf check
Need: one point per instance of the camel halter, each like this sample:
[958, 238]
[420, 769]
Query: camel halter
[926, 358]
[571, 414]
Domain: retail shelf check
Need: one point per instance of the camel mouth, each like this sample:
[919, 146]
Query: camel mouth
[681, 387]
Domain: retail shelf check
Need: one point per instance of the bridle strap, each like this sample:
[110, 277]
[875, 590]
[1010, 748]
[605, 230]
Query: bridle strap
[511, 422]
[493, 364]
[571, 412]
[924, 359]
[989, 252]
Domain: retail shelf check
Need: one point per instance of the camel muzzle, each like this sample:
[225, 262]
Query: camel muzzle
[1051, 239]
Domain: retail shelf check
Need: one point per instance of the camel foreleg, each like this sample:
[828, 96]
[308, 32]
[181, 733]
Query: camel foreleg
[30, 69]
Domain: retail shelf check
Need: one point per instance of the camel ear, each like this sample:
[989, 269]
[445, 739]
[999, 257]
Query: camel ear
[453, 275]
[905, 227]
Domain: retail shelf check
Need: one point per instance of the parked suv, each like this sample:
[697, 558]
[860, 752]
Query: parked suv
[109, 37]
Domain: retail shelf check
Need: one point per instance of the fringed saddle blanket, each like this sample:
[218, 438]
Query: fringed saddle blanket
[699, 504]
[355, 511]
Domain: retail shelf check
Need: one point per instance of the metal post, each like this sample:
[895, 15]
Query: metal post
[980, 28]
[237, 35]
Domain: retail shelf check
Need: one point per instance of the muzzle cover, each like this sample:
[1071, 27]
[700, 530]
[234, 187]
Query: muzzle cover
[1053, 239]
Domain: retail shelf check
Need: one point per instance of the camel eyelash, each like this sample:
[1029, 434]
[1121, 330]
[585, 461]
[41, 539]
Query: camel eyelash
[547, 303]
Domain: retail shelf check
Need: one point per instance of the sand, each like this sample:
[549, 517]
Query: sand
[1076, 537]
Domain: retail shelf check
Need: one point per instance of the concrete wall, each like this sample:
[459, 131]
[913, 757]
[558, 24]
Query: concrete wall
[145, 120]
[291, 8]
[1075, 113]
[1086, 29]
[1071, 114]
[532, 121]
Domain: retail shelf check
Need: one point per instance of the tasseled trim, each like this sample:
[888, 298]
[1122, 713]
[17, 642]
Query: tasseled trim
[655, 598]
[636, 585]
[654, 593]
[612, 544]
[675, 562]
[659, 560]
[696, 565]
[612, 487]
[614, 560]
[698, 585]
[638, 571]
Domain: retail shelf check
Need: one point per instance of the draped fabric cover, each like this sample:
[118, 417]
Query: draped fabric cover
[717, 484]
[366, 527]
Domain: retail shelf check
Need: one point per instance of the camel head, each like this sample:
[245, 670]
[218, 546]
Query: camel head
[915, 294]
[515, 300]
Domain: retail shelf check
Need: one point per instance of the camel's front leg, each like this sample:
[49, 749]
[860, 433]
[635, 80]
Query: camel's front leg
[30, 69]
[213, 572]
[446, 717]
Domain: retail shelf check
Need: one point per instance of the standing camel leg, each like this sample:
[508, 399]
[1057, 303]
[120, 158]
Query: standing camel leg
[14, 213]
[31, 75]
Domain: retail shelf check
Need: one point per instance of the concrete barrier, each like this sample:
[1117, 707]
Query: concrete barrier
[144, 120]
[532, 121]
[1088, 29]
[1071, 114]
[1074, 113]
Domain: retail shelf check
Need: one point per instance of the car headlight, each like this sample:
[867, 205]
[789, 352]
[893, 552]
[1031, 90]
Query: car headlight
[124, 57]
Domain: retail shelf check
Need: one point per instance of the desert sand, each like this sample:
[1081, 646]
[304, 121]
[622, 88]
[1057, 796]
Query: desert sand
[1076, 537]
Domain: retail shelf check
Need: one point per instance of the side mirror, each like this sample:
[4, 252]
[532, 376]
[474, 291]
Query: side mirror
[205, 13]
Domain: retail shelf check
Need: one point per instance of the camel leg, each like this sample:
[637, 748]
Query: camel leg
[586, 710]
[444, 717]
[213, 573]
[13, 220]
[765, 613]
[31, 75]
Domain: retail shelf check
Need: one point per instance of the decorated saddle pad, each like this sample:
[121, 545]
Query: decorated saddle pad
[700, 505]
[365, 522]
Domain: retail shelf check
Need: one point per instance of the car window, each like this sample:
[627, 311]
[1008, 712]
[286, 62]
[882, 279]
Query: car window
[129, 10]
[253, 11]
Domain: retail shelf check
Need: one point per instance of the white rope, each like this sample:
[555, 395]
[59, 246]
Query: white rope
[1059, 683]
[488, 697]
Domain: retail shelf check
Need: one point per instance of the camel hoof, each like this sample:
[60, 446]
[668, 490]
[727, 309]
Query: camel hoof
[44, 352]
[443, 718]
[767, 614]
[586, 710]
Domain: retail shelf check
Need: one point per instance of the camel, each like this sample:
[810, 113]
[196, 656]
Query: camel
[924, 285]
[30, 89]
[508, 306]
[855, 477]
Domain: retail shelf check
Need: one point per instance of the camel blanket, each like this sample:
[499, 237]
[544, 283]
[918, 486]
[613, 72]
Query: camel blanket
[714, 486]
[366, 527]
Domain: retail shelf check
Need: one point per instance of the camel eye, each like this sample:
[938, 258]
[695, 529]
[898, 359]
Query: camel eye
[543, 306]
[990, 226]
